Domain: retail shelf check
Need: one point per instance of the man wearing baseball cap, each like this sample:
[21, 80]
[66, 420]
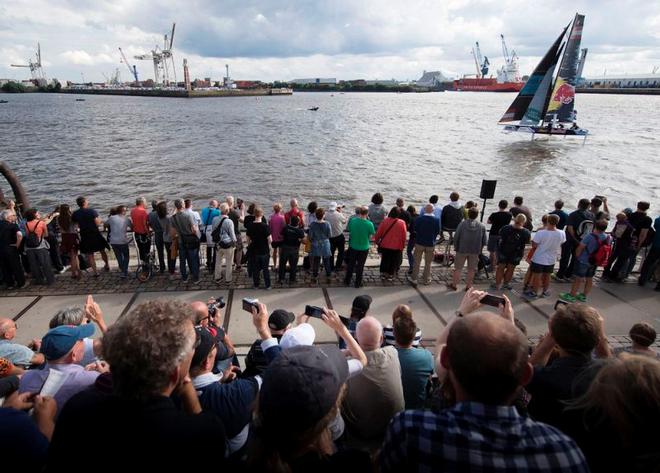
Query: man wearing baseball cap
[299, 398]
[278, 323]
[233, 402]
[63, 349]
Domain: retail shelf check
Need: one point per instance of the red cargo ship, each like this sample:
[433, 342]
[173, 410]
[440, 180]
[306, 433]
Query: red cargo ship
[487, 85]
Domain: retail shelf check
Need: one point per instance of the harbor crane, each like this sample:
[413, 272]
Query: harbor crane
[131, 69]
[482, 63]
[35, 67]
[163, 59]
[508, 60]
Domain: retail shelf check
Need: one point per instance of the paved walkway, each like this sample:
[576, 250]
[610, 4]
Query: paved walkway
[621, 305]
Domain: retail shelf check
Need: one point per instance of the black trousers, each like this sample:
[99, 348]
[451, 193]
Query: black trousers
[648, 265]
[337, 244]
[144, 245]
[356, 260]
[290, 255]
[390, 260]
[11, 267]
[160, 250]
[54, 250]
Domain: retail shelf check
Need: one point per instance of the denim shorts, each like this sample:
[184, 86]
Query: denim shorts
[584, 270]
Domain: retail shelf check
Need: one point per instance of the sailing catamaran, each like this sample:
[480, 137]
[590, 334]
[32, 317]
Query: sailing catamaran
[544, 105]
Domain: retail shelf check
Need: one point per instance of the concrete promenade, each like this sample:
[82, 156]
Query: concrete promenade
[621, 305]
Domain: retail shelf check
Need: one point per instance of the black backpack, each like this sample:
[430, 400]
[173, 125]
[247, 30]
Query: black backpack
[215, 234]
[511, 245]
[451, 217]
[31, 238]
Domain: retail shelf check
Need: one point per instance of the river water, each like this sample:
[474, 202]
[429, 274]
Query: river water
[268, 149]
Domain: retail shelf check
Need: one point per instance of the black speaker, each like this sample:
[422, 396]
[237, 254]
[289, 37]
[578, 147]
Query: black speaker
[487, 189]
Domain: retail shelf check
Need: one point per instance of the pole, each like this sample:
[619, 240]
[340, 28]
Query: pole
[483, 210]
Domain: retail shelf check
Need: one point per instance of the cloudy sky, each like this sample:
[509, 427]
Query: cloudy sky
[286, 39]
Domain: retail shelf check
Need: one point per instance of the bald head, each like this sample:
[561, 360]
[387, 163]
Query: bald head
[6, 325]
[428, 209]
[369, 333]
[201, 311]
[487, 357]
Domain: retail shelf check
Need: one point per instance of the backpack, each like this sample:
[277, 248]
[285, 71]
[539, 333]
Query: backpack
[31, 238]
[511, 245]
[215, 234]
[585, 227]
[601, 256]
[451, 217]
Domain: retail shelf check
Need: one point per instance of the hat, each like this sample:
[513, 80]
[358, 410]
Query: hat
[280, 319]
[302, 334]
[60, 340]
[301, 386]
[332, 206]
[362, 303]
[205, 343]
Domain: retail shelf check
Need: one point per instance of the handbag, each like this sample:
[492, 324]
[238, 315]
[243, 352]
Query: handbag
[380, 240]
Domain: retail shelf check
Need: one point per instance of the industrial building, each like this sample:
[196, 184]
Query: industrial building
[638, 81]
[316, 81]
[431, 79]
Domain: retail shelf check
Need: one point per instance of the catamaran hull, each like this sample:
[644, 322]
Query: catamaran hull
[545, 130]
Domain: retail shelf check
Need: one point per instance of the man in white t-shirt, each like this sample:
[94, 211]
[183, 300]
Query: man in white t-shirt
[546, 245]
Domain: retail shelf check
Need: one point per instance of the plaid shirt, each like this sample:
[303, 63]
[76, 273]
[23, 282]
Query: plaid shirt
[475, 437]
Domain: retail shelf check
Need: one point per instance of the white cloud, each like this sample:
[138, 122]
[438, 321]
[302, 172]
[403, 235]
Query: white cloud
[270, 39]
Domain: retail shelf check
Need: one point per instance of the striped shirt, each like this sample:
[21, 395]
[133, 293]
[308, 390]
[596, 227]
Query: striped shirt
[388, 336]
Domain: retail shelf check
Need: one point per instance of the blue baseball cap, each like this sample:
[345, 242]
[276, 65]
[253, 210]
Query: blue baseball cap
[60, 340]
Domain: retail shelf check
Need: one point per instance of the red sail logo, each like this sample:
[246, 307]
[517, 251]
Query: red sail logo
[564, 94]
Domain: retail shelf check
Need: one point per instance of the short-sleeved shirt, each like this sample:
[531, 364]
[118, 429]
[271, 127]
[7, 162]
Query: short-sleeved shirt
[388, 336]
[513, 240]
[8, 233]
[591, 246]
[360, 231]
[294, 212]
[140, 219]
[575, 218]
[276, 224]
[258, 233]
[208, 215]
[549, 246]
[85, 218]
[118, 226]
[18, 354]
[498, 220]
[183, 222]
[416, 367]
[640, 221]
[563, 217]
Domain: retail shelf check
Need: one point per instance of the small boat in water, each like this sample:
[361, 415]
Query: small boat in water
[80, 100]
[313, 109]
[4, 101]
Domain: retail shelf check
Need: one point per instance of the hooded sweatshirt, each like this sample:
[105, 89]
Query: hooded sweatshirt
[470, 237]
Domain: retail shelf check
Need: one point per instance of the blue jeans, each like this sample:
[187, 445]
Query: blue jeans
[261, 264]
[121, 253]
[191, 257]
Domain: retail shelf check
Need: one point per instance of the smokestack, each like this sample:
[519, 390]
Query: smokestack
[186, 75]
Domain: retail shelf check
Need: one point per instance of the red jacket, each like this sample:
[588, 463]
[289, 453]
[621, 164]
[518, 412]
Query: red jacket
[395, 237]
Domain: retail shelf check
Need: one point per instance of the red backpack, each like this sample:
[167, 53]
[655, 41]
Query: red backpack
[601, 256]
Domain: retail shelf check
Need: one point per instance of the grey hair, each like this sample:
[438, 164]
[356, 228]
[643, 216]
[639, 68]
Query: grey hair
[145, 346]
[68, 316]
[5, 214]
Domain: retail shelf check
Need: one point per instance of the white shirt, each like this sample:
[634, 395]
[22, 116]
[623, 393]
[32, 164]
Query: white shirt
[549, 246]
[336, 221]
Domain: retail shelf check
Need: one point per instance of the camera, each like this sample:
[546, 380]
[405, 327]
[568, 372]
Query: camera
[491, 300]
[314, 311]
[214, 306]
[249, 303]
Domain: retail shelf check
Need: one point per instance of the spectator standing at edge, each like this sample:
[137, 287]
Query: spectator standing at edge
[295, 211]
[403, 213]
[36, 247]
[391, 240]
[585, 268]
[377, 211]
[497, 220]
[118, 225]
[642, 223]
[337, 220]
[520, 208]
[437, 210]
[70, 240]
[651, 258]
[510, 250]
[236, 215]
[183, 224]
[91, 240]
[292, 237]
[452, 213]
[150, 351]
[427, 229]
[485, 358]
[573, 238]
[166, 224]
[595, 205]
[226, 244]
[207, 216]
[10, 260]
[153, 220]
[469, 239]
[547, 246]
[140, 224]
[360, 231]
[276, 223]
[410, 246]
[258, 235]
[54, 237]
[195, 214]
[559, 212]
[319, 235]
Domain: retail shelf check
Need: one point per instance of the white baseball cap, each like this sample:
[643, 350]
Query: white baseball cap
[302, 334]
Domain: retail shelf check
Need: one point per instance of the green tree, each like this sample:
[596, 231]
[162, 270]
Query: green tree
[13, 87]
